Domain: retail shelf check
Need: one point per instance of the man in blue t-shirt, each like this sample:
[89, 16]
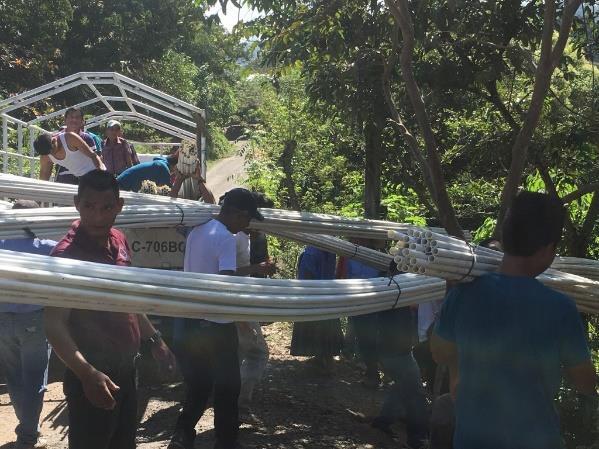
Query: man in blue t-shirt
[506, 339]
[24, 351]
[159, 171]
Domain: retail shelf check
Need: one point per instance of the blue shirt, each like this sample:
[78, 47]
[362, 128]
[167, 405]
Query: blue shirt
[97, 142]
[25, 245]
[316, 264]
[157, 171]
[513, 336]
[358, 270]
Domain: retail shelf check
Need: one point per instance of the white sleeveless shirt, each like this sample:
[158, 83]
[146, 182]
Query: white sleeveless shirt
[76, 163]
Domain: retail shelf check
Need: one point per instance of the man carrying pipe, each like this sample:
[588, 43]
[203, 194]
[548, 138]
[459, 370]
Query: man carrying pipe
[506, 339]
[100, 348]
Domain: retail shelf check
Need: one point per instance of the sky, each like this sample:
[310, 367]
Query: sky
[233, 15]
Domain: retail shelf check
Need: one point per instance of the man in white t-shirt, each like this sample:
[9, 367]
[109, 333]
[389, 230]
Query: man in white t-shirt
[207, 349]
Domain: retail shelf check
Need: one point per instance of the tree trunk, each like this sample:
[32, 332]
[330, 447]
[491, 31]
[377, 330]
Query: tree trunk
[287, 183]
[579, 246]
[373, 162]
[369, 71]
[401, 13]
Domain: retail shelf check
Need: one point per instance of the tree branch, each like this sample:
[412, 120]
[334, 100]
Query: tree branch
[577, 240]
[548, 61]
[567, 18]
[396, 119]
[552, 189]
[496, 101]
[581, 191]
[590, 220]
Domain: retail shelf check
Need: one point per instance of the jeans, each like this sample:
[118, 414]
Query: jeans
[253, 358]
[24, 354]
[406, 399]
[95, 428]
[207, 357]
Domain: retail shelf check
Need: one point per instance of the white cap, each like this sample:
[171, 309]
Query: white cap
[112, 123]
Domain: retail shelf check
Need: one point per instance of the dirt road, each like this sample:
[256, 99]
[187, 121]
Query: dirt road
[227, 173]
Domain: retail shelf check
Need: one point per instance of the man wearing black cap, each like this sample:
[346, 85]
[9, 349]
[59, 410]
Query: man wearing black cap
[207, 349]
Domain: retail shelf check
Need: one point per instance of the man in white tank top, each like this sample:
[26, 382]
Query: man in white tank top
[68, 150]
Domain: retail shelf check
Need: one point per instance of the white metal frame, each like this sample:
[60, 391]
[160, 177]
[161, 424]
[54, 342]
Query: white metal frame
[136, 98]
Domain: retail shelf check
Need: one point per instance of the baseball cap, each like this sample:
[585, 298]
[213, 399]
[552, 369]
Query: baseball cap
[112, 123]
[243, 199]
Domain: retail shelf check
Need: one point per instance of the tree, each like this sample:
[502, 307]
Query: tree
[114, 34]
[549, 59]
[316, 33]
[31, 33]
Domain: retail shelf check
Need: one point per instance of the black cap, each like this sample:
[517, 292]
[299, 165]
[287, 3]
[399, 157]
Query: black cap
[242, 199]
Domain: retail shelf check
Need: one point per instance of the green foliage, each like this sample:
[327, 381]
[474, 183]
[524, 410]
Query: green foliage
[218, 145]
[285, 254]
[218, 98]
[403, 207]
[174, 73]
[313, 176]
[31, 33]
[123, 35]
[250, 93]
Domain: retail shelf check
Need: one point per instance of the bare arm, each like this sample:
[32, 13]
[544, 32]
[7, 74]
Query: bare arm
[584, 377]
[160, 351]
[128, 157]
[97, 386]
[56, 325]
[263, 269]
[46, 167]
[76, 141]
[446, 353]
[205, 193]
[177, 185]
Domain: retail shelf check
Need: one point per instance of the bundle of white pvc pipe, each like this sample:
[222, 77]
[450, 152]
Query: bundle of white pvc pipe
[582, 267]
[47, 221]
[424, 252]
[54, 222]
[376, 259]
[418, 251]
[57, 282]
[19, 187]
[159, 211]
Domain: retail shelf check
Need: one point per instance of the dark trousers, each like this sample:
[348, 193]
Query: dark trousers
[442, 423]
[96, 428]
[65, 178]
[406, 398]
[207, 357]
[366, 333]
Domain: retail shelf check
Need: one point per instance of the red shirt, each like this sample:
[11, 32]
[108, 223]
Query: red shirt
[104, 338]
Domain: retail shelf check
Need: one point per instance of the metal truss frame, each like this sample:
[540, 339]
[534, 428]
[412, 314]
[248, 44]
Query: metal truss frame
[137, 102]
